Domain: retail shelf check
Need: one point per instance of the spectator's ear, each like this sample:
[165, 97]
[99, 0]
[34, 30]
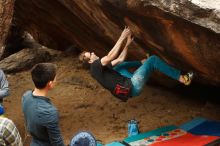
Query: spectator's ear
[50, 84]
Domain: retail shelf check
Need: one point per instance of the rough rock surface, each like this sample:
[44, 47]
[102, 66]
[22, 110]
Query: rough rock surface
[26, 58]
[202, 12]
[182, 32]
[6, 13]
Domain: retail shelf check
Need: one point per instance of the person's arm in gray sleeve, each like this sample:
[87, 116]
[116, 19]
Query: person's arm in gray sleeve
[4, 89]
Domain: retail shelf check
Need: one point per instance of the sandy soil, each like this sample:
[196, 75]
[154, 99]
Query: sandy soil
[84, 105]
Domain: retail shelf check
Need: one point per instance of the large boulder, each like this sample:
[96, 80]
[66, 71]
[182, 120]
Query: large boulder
[6, 14]
[185, 33]
[27, 58]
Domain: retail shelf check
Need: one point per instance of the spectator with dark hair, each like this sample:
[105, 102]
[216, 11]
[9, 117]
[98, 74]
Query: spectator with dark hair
[40, 114]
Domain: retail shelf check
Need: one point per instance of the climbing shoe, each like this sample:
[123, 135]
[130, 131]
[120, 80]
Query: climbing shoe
[188, 78]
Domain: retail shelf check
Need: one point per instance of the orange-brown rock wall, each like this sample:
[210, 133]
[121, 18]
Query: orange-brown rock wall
[6, 14]
[180, 32]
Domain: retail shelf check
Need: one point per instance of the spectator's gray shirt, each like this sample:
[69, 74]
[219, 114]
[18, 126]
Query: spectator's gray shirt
[4, 89]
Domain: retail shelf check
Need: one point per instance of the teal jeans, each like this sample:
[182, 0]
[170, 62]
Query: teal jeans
[143, 72]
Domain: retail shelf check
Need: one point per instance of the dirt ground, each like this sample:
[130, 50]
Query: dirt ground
[84, 105]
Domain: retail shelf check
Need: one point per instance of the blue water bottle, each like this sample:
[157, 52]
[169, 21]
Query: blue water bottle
[132, 127]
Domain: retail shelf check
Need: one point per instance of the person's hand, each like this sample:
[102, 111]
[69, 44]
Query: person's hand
[126, 32]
